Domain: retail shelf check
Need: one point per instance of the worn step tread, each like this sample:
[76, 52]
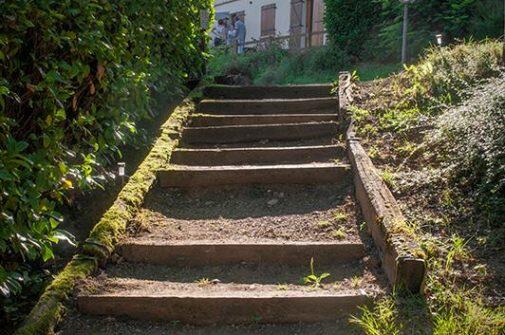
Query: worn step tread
[223, 303]
[78, 324]
[212, 253]
[269, 106]
[260, 155]
[272, 278]
[250, 214]
[203, 120]
[264, 92]
[253, 133]
[309, 173]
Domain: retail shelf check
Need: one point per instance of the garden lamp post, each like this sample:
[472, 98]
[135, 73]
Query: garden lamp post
[405, 28]
[121, 171]
[440, 39]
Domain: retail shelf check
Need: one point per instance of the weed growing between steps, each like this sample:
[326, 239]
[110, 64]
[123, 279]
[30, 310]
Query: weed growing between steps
[437, 131]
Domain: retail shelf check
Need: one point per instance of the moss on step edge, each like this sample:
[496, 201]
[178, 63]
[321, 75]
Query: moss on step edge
[108, 231]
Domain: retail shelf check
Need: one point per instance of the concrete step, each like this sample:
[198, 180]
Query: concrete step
[270, 106]
[197, 253]
[253, 133]
[193, 303]
[191, 176]
[203, 120]
[268, 92]
[255, 156]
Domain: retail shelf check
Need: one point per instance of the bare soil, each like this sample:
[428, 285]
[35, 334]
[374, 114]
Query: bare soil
[250, 280]
[86, 325]
[253, 214]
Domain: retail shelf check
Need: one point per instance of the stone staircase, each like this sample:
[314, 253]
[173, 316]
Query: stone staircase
[259, 186]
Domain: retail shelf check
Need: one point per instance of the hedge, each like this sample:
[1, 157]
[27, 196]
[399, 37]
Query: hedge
[75, 78]
[109, 230]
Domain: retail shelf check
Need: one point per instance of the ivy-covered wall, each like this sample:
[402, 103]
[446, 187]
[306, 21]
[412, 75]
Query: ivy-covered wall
[75, 78]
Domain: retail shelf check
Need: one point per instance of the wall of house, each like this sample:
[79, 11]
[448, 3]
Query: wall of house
[252, 9]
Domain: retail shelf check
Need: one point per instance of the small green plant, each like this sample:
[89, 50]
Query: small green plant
[339, 216]
[203, 282]
[314, 280]
[373, 152]
[457, 251]
[282, 287]
[356, 281]
[339, 234]
[388, 177]
[324, 224]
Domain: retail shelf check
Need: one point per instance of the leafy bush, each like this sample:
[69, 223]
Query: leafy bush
[470, 140]
[349, 22]
[75, 78]
[444, 75]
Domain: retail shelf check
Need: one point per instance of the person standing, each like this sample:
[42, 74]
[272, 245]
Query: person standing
[219, 33]
[228, 31]
[240, 34]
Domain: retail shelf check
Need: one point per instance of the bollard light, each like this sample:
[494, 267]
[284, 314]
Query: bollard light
[440, 39]
[121, 169]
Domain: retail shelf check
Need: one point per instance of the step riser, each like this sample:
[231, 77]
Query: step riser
[193, 178]
[256, 156]
[223, 254]
[235, 120]
[322, 106]
[268, 92]
[244, 134]
[224, 310]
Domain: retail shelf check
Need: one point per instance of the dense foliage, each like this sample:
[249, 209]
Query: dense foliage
[349, 22]
[373, 29]
[75, 78]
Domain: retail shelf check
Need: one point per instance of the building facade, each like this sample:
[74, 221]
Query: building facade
[299, 22]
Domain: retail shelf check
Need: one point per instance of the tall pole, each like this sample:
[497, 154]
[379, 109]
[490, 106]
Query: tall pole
[503, 52]
[405, 28]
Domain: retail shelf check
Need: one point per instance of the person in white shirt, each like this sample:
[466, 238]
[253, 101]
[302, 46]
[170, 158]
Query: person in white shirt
[219, 33]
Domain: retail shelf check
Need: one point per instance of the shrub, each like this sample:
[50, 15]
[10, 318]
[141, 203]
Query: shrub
[75, 78]
[470, 141]
[349, 23]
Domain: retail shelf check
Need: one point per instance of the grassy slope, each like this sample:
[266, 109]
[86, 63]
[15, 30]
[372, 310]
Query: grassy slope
[276, 66]
[437, 131]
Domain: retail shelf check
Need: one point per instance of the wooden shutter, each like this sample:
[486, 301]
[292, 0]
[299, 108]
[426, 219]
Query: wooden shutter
[296, 23]
[318, 22]
[268, 20]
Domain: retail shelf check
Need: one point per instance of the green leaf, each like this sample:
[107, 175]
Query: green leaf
[47, 253]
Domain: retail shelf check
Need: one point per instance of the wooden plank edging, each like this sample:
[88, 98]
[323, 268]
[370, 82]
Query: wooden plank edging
[402, 257]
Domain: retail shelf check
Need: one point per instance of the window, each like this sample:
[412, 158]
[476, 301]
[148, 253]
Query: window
[268, 20]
